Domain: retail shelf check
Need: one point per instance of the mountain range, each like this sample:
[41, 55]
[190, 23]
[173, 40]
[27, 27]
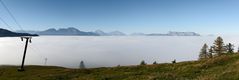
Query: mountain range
[74, 31]
[66, 31]
[174, 33]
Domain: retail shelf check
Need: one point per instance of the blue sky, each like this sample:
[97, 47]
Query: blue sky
[148, 16]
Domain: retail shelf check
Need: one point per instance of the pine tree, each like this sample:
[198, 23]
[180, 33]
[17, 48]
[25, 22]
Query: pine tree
[82, 65]
[203, 52]
[155, 62]
[210, 51]
[174, 61]
[118, 65]
[238, 50]
[143, 63]
[230, 48]
[219, 47]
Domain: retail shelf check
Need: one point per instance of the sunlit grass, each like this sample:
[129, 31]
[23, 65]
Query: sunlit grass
[223, 67]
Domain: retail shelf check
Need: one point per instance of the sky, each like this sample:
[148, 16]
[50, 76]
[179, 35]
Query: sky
[129, 16]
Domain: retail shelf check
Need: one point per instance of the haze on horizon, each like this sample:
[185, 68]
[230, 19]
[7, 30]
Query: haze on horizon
[148, 16]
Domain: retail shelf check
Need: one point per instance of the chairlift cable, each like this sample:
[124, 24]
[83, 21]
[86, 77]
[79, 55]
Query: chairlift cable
[15, 20]
[5, 23]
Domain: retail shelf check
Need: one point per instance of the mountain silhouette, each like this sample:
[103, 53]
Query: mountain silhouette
[66, 31]
[7, 33]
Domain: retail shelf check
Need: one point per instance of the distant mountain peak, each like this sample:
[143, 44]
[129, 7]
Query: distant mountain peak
[98, 30]
[117, 33]
[101, 33]
[113, 33]
[73, 29]
[137, 34]
[51, 29]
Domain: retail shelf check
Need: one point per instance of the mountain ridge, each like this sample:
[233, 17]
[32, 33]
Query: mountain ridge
[7, 33]
[75, 31]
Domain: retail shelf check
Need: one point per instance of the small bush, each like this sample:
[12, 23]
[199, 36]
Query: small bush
[143, 63]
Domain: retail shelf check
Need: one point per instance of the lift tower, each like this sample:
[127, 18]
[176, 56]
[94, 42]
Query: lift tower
[28, 39]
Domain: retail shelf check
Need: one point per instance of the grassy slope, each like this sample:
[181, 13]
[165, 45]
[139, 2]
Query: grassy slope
[225, 68]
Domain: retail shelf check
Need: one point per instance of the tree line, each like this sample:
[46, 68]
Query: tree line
[217, 49]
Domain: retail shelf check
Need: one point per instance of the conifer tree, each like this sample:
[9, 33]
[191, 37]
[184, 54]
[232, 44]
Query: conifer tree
[174, 61]
[210, 52]
[82, 65]
[155, 62]
[219, 47]
[118, 65]
[203, 53]
[143, 63]
[238, 50]
[230, 48]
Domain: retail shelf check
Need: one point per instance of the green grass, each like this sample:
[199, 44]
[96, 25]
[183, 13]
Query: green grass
[225, 67]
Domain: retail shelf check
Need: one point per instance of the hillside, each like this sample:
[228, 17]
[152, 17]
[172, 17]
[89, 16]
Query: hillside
[7, 33]
[225, 67]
